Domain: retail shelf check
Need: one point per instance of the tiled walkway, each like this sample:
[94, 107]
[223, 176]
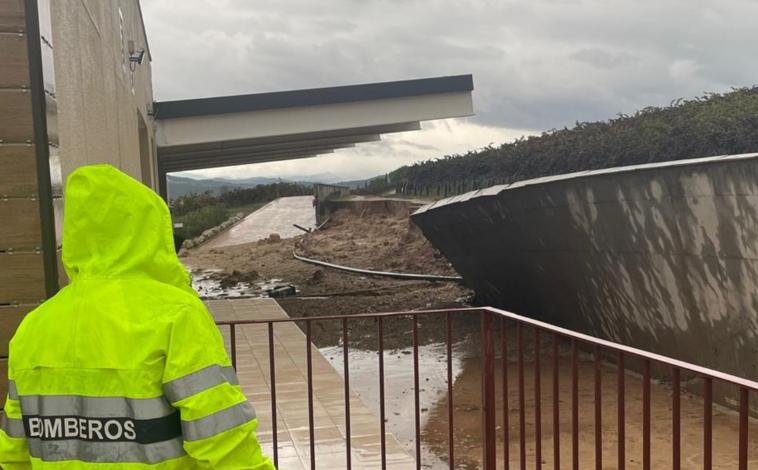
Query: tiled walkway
[292, 395]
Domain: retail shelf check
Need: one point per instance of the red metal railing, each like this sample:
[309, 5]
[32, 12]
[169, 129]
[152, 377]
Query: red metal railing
[495, 322]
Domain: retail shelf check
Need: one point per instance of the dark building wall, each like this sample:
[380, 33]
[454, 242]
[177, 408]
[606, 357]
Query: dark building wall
[663, 257]
[28, 164]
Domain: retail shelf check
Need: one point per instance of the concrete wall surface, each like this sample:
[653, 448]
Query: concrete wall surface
[324, 192]
[100, 99]
[662, 257]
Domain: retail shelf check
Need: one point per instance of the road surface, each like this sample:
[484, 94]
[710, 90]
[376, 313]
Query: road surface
[275, 217]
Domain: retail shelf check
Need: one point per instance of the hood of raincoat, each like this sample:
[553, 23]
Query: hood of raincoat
[115, 227]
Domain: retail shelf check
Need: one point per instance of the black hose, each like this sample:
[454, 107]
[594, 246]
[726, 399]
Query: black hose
[416, 277]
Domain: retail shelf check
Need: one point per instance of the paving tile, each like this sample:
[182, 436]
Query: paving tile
[290, 355]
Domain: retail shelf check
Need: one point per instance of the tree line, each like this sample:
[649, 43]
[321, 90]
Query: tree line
[237, 197]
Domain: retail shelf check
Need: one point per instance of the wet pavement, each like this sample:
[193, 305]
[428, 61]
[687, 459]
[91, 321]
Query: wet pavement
[275, 217]
[399, 396]
[292, 395]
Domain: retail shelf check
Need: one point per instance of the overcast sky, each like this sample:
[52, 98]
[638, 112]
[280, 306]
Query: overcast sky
[537, 64]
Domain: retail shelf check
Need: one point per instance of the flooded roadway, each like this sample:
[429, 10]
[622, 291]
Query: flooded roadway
[275, 217]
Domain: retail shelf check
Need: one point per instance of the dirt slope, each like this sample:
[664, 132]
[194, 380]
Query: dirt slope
[372, 241]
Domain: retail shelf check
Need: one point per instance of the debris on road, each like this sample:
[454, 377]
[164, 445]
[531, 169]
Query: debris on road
[282, 291]
[306, 230]
[373, 242]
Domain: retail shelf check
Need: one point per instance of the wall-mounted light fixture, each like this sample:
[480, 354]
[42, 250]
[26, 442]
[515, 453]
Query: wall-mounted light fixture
[135, 57]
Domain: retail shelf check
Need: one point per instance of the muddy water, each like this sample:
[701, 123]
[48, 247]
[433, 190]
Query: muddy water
[209, 286]
[398, 384]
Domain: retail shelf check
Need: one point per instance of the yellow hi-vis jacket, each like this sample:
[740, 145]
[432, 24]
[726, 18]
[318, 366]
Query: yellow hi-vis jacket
[124, 367]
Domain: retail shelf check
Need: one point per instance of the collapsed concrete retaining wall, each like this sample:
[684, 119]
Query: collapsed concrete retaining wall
[392, 207]
[322, 194]
[662, 257]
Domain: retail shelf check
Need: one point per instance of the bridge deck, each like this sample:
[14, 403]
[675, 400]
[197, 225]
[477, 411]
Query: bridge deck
[292, 396]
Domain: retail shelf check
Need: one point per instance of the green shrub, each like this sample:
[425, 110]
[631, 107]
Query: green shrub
[263, 193]
[191, 202]
[238, 197]
[199, 220]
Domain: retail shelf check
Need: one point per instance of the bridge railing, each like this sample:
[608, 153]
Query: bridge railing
[548, 348]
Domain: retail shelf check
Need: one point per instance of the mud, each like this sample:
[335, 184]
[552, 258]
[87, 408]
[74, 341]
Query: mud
[467, 422]
[215, 284]
[370, 241]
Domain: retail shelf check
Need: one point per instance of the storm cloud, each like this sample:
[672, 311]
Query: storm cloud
[537, 64]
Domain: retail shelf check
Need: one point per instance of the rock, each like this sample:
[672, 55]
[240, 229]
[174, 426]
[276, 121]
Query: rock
[316, 277]
[230, 280]
[282, 291]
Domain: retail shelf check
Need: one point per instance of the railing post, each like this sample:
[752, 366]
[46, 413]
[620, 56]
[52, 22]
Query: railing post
[744, 429]
[309, 375]
[233, 344]
[450, 408]
[707, 423]
[489, 458]
[272, 373]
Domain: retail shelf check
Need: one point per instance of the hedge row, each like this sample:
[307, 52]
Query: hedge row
[714, 124]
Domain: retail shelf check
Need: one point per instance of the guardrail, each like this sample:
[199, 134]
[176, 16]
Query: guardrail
[494, 327]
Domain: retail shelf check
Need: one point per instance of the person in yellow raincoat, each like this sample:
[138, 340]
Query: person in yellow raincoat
[124, 367]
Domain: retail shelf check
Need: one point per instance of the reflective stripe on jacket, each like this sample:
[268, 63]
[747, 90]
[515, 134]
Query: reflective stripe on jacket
[124, 367]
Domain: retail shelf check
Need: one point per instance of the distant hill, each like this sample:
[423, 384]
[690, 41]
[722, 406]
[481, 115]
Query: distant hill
[359, 184]
[715, 124]
[329, 178]
[353, 184]
[181, 185]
